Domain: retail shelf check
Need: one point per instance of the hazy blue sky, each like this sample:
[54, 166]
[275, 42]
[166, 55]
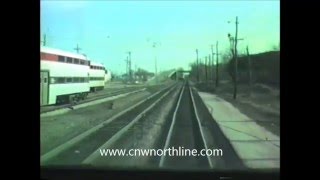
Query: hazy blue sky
[106, 30]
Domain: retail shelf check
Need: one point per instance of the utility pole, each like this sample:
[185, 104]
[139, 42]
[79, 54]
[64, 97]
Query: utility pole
[135, 72]
[217, 64]
[130, 71]
[197, 65]
[127, 67]
[156, 69]
[235, 61]
[77, 48]
[212, 61]
[155, 61]
[200, 68]
[206, 69]
[44, 40]
[209, 66]
[249, 68]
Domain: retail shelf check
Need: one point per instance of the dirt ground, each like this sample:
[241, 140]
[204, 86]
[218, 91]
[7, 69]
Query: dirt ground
[261, 103]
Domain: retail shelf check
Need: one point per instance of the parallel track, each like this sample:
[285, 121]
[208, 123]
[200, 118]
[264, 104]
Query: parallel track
[191, 127]
[91, 97]
[89, 141]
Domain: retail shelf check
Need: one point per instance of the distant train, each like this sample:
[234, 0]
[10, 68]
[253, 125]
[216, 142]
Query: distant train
[68, 77]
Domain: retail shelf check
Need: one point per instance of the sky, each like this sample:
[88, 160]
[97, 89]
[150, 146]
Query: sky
[106, 30]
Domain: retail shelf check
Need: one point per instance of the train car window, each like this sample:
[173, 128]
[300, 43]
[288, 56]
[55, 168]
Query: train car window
[69, 60]
[60, 80]
[82, 62]
[76, 79]
[69, 80]
[45, 80]
[106, 71]
[76, 61]
[61, 58]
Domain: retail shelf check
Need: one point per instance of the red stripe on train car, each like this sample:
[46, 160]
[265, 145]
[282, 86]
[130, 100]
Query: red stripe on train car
[49, 57]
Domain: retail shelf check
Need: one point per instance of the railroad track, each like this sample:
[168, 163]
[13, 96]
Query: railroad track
[185, 131]
[189, 125]
[192, 127]
[82, 149]
[96, 96]
[91, 97]
[103, 93]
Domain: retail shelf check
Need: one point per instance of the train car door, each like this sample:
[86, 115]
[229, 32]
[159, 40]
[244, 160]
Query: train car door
[44, 87]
